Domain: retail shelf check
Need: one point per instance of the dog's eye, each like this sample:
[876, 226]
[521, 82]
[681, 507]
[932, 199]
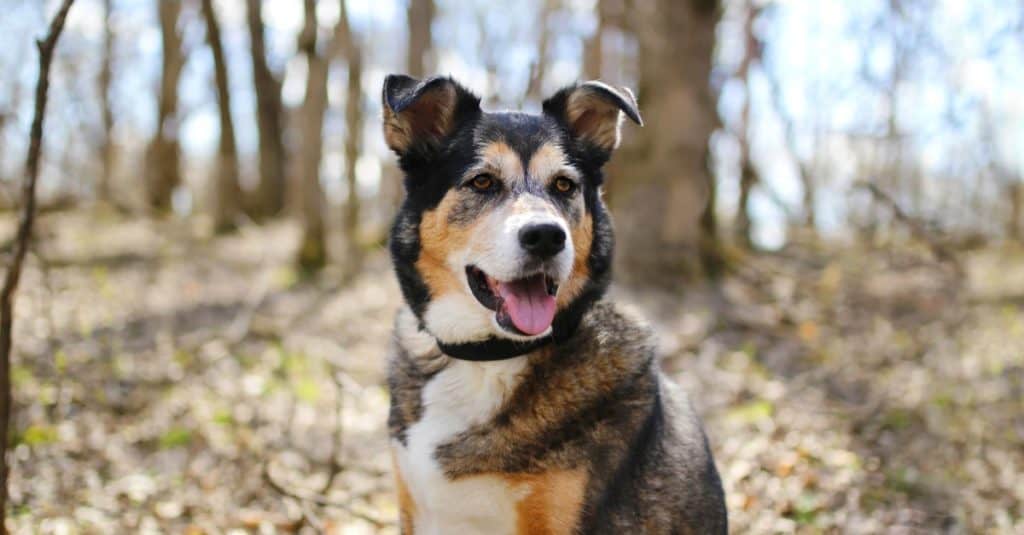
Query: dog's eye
[564, 185]
[483, 182]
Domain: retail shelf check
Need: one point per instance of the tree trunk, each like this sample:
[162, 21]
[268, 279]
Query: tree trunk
[313, 247]
[163, 156]
[748, 178]
[270, 121]
[593, 47]
[227, 194]
[748, 173]
[420, 17]
[353, 140]
[665, 193]
[103, 193]
[1015, 225]
[804, 169]
[539, 68]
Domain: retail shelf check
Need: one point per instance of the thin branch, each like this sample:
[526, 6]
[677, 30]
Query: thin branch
[323, 501]
[916, 228]
[23, 241]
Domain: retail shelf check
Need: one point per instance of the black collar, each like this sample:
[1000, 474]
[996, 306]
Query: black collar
[493, 349]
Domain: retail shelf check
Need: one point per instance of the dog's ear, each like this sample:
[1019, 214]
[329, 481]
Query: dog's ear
[423, 111]
[592, 111]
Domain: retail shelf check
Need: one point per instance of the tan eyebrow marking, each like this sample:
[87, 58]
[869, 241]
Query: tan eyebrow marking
[498, 158]
[547, 161]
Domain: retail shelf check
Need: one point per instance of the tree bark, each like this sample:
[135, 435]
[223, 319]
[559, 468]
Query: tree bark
[103, 193]
[353, 140]
[227, 194]
[804, 169]
[539, 68]
[420, 18]
[270, 193]
[593, 46]
[1015, 225]
[665, 193]
[312, 255]
[22, 241]
[163, 156]
[748, 172]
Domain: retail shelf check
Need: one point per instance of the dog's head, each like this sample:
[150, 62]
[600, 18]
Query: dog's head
[503, 233]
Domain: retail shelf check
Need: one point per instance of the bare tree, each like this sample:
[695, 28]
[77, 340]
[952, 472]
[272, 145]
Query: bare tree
[1015, 223]
[313, 248]
[419, 19]
[593, 47]
[665, 193]
[22, 242]
[805, 169]
[353, 138]
[539, 67]
[163, 173]
[748, 172]
[107, 115]
[270, 120]
[226, 192]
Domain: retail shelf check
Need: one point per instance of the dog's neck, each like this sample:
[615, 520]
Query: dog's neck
[493, 348]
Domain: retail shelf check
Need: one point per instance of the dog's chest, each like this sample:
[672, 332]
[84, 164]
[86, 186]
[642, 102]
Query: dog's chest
[458, 397]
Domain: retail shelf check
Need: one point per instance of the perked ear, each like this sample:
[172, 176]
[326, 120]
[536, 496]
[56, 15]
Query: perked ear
[593, 112]
[423, 111]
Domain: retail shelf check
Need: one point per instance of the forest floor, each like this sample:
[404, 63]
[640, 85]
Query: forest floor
[166, 382]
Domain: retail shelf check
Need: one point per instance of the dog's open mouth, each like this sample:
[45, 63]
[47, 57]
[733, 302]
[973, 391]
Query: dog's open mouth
[523, 306]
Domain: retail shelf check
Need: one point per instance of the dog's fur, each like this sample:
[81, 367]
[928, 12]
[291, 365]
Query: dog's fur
[574, 430]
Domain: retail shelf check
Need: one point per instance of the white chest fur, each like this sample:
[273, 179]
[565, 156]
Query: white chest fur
[461, 395]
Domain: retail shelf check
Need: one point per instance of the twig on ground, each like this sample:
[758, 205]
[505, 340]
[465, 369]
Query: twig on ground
[338, 442]
[23, 241]
[317, 499]
[940, 251]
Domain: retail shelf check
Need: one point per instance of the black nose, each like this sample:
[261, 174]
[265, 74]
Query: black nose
[543, 240]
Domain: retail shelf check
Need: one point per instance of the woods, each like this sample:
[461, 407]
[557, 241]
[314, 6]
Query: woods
[822, 213]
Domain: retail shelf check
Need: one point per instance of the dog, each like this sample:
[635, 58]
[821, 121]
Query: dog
[521, 401]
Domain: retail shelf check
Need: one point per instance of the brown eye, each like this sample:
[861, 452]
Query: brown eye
[483, 182]
[564, 185]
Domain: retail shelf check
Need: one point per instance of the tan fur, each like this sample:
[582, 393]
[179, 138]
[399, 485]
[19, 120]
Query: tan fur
[582, 239]
[549, 161]
[406, 505]
[438, 239]
[553, 503]
[594, 118]
[429, 118]
[500, 160]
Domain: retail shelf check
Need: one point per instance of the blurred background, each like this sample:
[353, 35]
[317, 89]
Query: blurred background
[823, 218]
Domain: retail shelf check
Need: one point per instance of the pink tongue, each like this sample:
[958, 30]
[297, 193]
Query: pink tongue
[528, 304]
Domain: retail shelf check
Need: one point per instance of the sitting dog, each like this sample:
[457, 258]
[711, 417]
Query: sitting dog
[520, 401]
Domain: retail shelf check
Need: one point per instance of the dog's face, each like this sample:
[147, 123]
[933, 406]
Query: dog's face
[503, 233]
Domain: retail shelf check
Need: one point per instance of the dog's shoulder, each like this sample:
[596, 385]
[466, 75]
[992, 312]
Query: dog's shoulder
[666, 467]
[613, 328]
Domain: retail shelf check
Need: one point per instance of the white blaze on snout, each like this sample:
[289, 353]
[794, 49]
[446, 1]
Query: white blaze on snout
[505, 259]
